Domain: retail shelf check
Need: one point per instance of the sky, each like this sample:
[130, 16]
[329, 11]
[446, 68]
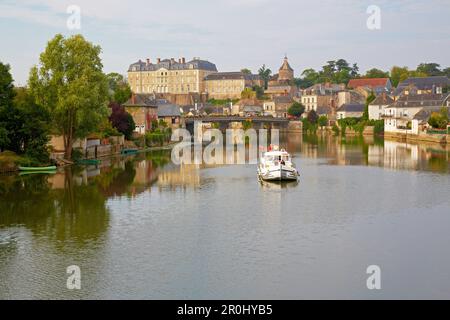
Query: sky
[233, 34]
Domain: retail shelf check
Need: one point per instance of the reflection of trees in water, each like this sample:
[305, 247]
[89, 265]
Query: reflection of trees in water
[115, 181]
[77, 212]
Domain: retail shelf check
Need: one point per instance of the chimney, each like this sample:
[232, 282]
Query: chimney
[172, 60]
[179, 60]
[183, 60]
[159, 60]
[148, 61]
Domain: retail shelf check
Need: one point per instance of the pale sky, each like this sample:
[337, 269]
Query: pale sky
[233, 34]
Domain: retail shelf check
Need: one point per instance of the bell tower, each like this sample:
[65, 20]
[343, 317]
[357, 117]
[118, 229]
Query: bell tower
[286, 73]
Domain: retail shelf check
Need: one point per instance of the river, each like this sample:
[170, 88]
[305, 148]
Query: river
[141, 227]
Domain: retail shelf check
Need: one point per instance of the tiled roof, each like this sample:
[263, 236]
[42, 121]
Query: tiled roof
[427, 83]
[352, 107]
[168, 110]
[173, 65]
[382, 100]
[285, 65]
[368, 82]
[283, 99]
[142, 100]
[419, 100]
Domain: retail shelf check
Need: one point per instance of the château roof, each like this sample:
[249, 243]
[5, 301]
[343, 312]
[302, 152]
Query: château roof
[368, 82]
[171, 64]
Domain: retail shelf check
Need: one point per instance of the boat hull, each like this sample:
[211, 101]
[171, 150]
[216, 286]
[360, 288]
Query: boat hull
[279, 174]
[37, 169]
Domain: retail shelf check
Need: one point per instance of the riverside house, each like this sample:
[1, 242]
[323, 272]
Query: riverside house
[399, 116]
[144, 109]
[378, 106]
[350, 110]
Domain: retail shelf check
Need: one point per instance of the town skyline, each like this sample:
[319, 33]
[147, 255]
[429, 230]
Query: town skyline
[308, 41]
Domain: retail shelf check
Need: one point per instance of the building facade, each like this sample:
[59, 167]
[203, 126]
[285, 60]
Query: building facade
[169, 76]
[144, 109]
[229, 85]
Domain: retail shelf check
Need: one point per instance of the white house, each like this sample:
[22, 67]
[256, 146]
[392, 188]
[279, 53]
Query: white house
[350, 110]
[399, 116]
[378, 106]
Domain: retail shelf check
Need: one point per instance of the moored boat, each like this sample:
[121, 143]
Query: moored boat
[277, 165]
[37, 169]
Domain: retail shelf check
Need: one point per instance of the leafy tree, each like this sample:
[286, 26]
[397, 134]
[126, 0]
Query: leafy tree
[446, 72]
[439, 120]
[310, 77]
[265, 74]
[121, 120]
[312, 117]
[119, 90]
[323, 121]
[248, 93]
[376, 73]
[399, 74]
[6, 99]
[369, 100]
[430, 69]
[296, 109]
[70, 83]
[246, 71]
[259, 92]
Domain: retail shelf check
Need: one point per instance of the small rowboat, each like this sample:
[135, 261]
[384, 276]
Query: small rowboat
[89, 162]
[37, 169]
[130, 151]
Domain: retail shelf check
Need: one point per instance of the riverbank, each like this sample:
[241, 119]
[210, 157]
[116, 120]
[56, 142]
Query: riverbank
[421, 137]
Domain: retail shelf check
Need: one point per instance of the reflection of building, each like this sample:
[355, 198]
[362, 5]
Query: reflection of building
[180, 176]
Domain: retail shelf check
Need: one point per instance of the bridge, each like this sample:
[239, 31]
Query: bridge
[225, 121]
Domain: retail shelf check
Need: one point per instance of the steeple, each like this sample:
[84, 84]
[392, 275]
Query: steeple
[286, 73]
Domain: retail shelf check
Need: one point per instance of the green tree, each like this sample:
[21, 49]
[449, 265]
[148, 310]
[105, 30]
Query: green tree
[439, 120]
[323, 121]
[399, 74]
[296, 109]
[248, 93]
[265, 74]
[310, 77]
[376, 73]
[246, 71]
[69, 82]
[119, 89]
[369, 100]
[6, 99]
[259, 92]
[430, 69]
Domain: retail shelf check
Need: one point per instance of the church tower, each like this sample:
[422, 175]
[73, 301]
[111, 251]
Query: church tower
[286, 73]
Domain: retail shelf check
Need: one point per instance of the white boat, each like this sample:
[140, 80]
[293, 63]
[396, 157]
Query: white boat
[277, 166]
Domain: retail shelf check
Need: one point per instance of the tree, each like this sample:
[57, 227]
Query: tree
[323, 121]
[246, 71]
[265, 74]
[32, 127]
[399, 74]
[312, 117]
[430, 69]
[369, 100]
[259, 92]
[248, 93]
[119, 89]
[439, 120]
[376, 73]
[310, 77]
[69, 82]
[296, 109]
[122, 120]
[6, 99]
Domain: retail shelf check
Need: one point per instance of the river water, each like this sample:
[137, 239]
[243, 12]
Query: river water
[143, 228]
